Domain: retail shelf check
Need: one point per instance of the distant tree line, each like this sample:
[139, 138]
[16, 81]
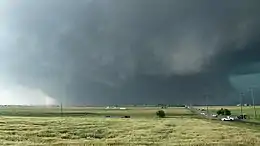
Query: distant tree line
[170, 105]
[150, 105]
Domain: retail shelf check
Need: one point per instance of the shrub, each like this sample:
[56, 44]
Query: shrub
[225, 112]
[220, 112]
[160, 114]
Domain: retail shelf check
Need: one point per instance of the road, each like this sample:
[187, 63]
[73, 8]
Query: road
[209, 116]
[206, 115]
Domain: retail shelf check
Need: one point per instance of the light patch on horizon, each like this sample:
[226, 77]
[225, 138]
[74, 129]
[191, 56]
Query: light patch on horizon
[19, 95]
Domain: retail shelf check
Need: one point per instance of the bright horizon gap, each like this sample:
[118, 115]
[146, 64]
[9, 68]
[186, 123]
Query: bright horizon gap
[20, 95]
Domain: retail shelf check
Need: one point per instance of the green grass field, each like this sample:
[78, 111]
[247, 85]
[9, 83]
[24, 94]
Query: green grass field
[45, 126]
[88, 111]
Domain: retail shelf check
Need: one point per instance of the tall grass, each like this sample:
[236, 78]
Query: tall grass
[117, 131]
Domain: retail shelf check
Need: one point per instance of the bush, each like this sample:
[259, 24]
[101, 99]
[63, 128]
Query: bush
[220, 112]
[225, 112]
[160, 114]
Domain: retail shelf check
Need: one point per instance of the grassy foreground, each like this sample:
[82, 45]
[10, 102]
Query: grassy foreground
[115, 131]
[181, 128]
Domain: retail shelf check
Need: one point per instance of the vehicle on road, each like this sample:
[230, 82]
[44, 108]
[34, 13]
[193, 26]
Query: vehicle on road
[240, 117]
[228, 118]
[214, 115]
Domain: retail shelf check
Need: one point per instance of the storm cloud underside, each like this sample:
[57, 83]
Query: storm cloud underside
[129, 51]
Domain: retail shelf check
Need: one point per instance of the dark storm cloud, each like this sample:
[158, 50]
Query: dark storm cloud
[130, 51]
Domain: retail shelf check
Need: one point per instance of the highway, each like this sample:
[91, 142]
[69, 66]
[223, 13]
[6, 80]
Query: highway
[209, 116]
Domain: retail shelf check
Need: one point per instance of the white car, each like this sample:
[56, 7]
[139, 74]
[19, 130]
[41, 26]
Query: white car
[228, 118]
[214, 115]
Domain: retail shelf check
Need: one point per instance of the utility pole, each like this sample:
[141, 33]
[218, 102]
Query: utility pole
[253, 99]
[207, 106]
[61, 110]
[241, 103]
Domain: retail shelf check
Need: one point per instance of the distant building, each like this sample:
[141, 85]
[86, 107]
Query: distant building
[243, 104]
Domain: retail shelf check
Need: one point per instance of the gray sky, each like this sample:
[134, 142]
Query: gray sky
[128, 51]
